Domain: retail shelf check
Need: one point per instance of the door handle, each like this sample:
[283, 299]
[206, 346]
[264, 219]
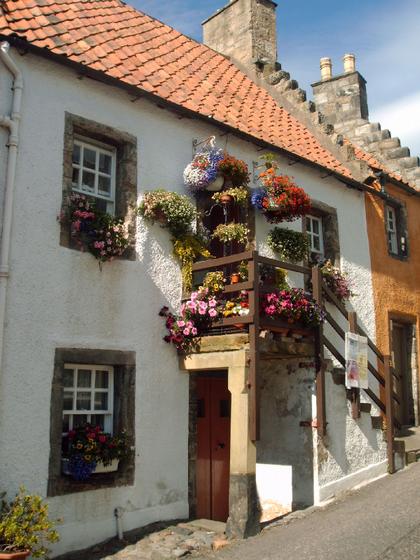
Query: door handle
[220, 446]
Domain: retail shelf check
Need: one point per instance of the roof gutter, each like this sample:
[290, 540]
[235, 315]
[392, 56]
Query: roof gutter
[97, 75]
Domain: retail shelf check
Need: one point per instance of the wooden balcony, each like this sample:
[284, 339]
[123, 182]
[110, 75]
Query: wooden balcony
[378, 365]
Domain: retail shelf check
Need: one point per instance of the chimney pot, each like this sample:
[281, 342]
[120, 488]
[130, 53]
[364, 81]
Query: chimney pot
[326, 68]
[349, 63]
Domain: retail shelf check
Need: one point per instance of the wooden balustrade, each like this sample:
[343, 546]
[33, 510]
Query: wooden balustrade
[322, 294]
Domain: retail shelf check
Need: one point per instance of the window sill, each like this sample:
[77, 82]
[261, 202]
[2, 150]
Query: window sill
[402, 258]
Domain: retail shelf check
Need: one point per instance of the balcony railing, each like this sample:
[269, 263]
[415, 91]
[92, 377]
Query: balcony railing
[330, 336]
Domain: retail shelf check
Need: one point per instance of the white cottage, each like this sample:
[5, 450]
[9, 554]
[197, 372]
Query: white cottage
[80, 342]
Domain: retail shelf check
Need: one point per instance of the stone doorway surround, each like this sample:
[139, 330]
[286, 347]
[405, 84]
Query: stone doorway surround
[230, 353]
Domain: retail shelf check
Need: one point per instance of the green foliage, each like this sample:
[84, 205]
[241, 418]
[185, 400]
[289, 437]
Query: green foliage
[292, 246]
[226, 233]
[239, 194]
[235, 170]
[174, 211]
[24, 525]
[214, 281]
[187, 249]
[243, 270]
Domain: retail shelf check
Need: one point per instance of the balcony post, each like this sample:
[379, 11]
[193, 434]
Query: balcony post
[319, 356]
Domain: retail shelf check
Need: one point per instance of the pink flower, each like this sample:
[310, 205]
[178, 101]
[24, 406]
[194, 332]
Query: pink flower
[194, 331]
[202, 311]
[180, 324]
[212, 312]
[212, 303]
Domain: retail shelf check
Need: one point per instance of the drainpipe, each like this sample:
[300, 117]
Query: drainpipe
[12, 124]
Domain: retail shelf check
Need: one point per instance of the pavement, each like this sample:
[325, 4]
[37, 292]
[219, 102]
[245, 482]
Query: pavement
[380, 521]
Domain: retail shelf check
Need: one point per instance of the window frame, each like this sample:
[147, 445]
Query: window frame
[99, 148]
[311, 234]
[108, 414]
[392, 232]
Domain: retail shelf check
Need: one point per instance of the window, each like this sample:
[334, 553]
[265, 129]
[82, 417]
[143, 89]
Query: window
[88, 396]
[397, 244]
[391, 226]
[96, 386]
[99, 161]
[315, 233]
[94, 171]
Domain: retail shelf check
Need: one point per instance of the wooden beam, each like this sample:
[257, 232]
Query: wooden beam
[354, 391]
[389, 404]
[254, 353]
[222, 261]
[285, 265]
[333, 299]
[319, 356]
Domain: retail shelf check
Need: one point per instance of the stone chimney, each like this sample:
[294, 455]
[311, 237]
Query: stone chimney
[343, 98]
[245, 31]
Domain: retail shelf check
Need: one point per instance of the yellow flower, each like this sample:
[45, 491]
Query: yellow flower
[88, 458]
[79, 446]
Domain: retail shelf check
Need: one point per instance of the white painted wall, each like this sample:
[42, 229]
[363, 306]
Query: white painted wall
[59, 298]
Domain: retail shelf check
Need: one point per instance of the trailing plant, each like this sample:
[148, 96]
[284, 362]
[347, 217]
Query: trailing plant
[227, 233]
[279, 198]
[234, 170]
[214, 281]
[195, 317]
[337, 281]
[187, 250]
[243, 270]
[292, 246]
[204, 168]
[25, 525]
[293, 305]
[103, 235]
[239, 194]
[174, 211]
[90, 445]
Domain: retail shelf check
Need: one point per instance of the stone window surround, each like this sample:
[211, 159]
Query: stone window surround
[329, 229]
[402, 228]
[124, 363]
[126, 173]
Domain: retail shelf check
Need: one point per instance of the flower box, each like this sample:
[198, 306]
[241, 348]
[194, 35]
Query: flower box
[99, 469]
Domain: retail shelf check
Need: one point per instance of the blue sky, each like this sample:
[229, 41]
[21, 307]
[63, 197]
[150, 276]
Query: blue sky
[384, 35]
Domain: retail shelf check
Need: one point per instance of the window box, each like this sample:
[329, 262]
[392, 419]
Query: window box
[99, 469]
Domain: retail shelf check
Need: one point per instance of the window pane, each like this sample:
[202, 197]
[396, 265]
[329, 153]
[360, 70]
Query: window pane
[83, 401]
[101, 380]
[104, 185]
[68, 378]
[76, 154]
[79, 420]
[105, 163]
[316, 244]
[88, 180]
[315, 227]
[98, 420]
[89, 158]
[101, 401]
[308, 224]
[75, 176]
[84, 377]
[68, 400]
[66, 423]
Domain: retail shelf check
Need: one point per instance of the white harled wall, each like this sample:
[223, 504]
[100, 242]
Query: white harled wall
[58, 297]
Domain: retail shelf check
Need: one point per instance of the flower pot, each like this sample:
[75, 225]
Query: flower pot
[226, 198]
[235, 278]
[216, 185]
[99, 469]
[14, 555]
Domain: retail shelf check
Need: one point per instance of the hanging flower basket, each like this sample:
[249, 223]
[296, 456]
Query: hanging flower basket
[279, 198]
[204, 168]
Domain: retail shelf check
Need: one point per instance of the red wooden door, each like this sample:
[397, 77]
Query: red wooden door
[213, 448]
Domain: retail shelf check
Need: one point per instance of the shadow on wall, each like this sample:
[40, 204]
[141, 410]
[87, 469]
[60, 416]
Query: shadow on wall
[285, 479]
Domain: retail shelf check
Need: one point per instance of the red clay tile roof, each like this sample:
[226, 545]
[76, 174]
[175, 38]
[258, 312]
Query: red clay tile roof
[116, 39]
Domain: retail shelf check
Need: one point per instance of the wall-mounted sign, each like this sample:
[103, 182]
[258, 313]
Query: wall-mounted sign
[356, 361]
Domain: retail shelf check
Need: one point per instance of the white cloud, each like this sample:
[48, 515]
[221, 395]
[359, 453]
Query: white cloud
[402, 118]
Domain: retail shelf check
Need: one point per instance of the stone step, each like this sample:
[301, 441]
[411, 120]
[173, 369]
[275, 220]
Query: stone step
[376, 422]
[365, 407]
[409, 162]
[377, 136]
[383, 145]
[397, 153]
[367, 128]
